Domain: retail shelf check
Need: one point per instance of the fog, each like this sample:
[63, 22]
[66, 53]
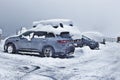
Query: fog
[89, 15]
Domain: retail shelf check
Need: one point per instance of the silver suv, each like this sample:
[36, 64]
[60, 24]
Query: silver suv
[46, 43]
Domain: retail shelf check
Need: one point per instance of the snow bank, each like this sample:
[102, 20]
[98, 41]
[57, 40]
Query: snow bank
[86, 64]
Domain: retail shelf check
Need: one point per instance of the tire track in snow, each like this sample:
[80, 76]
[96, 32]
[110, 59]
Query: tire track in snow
[17, 64]
[53, 72]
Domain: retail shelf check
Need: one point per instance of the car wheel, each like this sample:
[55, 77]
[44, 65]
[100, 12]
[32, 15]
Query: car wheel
[11, 48]
[48, 51]
[92, 47]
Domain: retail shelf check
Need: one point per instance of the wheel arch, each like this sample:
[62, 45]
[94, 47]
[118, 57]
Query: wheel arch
[10, 43]
[48, 46]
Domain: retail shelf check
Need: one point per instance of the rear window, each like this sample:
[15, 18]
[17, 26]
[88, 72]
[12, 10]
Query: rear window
[40, 33]
[49, 35]
[65, 35]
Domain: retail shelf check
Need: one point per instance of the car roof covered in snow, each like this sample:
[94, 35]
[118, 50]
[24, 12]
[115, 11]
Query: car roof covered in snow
[53, 22]
[48, 28]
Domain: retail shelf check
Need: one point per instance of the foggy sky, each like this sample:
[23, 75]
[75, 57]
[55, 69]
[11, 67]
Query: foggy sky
[88, 15]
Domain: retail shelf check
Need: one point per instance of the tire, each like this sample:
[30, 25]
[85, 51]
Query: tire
[48, 51]
[11, 48]
[92, 47]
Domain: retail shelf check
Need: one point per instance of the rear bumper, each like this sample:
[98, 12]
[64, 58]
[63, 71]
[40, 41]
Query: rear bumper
[68, 51]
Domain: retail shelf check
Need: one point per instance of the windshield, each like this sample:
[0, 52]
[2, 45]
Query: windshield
[85, 37]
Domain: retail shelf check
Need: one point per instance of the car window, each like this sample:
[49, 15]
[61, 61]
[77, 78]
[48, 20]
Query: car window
[65, 35]
[28, 35]
[49, 35]
[40, 34]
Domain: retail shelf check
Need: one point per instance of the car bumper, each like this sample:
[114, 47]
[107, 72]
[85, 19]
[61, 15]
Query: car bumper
[67, 51]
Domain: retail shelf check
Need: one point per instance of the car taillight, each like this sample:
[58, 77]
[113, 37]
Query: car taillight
[63, 41]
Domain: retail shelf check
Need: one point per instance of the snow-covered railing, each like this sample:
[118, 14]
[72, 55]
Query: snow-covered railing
[109, 39]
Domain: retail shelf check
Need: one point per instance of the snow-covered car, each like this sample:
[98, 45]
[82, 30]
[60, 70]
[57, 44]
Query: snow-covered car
[58, 25]
[85, 41]
[47, 43]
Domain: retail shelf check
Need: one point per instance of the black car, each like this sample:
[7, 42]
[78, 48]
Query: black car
[85, 41]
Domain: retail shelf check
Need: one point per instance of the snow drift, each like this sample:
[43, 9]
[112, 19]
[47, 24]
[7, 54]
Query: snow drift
[85, 65]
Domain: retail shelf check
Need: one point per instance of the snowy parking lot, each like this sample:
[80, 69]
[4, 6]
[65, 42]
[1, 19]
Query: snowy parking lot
[86, 64]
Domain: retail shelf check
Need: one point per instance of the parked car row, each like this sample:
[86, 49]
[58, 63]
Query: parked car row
[49, 41]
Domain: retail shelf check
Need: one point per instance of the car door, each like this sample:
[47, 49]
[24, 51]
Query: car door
[25, 41]
[38, 40]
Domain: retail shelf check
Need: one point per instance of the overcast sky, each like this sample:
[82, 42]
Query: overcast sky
[88, 15]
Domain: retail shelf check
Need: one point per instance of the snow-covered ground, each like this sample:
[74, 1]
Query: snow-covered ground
[103, 64]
